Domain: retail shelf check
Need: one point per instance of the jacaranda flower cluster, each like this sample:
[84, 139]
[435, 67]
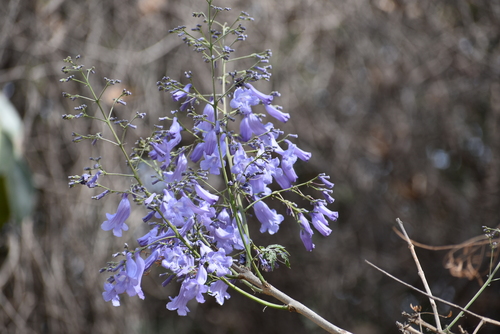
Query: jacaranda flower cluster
[199, 231]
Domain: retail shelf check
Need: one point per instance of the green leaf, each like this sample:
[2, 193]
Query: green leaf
[274, 254]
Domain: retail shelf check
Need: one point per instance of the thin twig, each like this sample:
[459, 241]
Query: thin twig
[479, 325]
[484, 319]
[421, 274]
[293, 305]
[478, 293]
[407, 328]
[417, 320]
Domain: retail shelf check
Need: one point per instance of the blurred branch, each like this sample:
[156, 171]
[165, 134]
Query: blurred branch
[464, 260]
[417, 320]
[478, 327]
[473, 299]
[421, 274]
[484, 319]
[293, 305]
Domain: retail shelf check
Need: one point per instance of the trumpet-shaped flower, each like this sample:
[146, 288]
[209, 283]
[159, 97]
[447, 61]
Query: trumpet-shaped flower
[181, 93]
[320, 207]
[306, 233]
[127, 280]
[250, 125]
[116, 221]
[279, 115]
[266, 99]
[190, 288]
[180, 167]
[161, 151]
[243, 100]
[319, 222]
[218, 262]
[205, 195]
[207, 124]
[218, 289]
[269, 219]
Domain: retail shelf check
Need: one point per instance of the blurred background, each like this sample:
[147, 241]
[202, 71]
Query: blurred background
[398, 100]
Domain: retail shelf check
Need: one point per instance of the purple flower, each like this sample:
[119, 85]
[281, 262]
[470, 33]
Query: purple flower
[301, 154]
[266, 99]
[243, 100]
[269, 219]
[324, 179]
[146, 239]
[179, 303]
[127, 280]
[197, 152]
[251, 124]
[240, 162]
[187, 226]
[92, 183]
[152, 258]
[306, 233]
[319, 222]
[218, 289]
[279, 115]
[134, 272]
[180, 168]
[287, 161]
[205, 195]
[161, 151]
[211, 163]
[281, 178]
[175, 210]
[101, 195]
[207, 124]
[224, 232]
[218, 262]
[110, 294]
[326, 195]
[261, 174]
[116, 222]
[320, 207]
[197, 209]
[269, 139]
[210, 142]
[190, 288]
[174, 134]
[178, 262]
[180, 93]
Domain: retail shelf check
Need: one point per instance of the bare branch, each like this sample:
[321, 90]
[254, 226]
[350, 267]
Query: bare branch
[415, 319]
[478, 327]
[407, 329]
[421, 274]
[293, 305]
[485, 319]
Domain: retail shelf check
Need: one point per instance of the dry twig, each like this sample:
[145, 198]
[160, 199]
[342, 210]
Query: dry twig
[422, 275]
[482, 318]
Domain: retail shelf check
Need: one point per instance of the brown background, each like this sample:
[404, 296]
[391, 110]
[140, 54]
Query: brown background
[397, 100]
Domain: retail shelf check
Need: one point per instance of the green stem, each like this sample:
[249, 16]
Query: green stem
[485, 285]
[107, 120]
[256, 299]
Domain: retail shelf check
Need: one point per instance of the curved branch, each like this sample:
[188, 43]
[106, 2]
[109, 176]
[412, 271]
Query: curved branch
[292, 304]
